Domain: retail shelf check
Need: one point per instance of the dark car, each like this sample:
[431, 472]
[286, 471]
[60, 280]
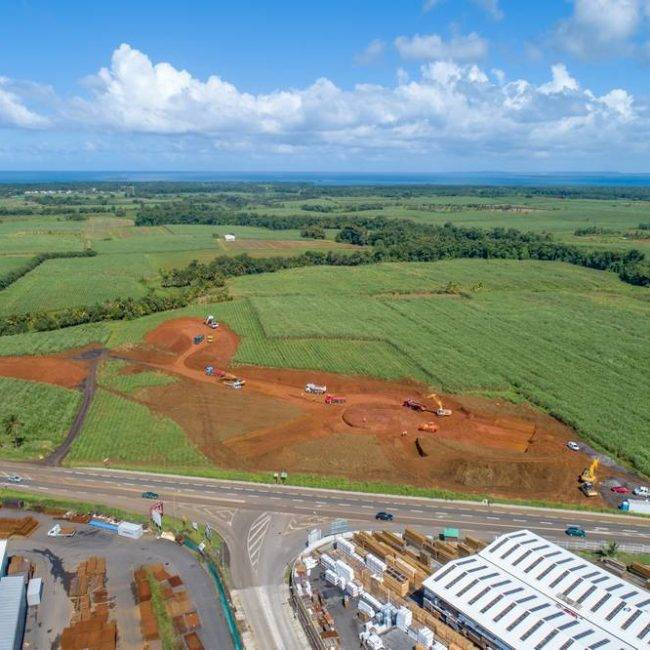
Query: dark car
[385, 516]
[575, 531]
[150, 495]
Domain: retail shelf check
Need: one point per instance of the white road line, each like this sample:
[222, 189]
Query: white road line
[256, 536]
[492, 517]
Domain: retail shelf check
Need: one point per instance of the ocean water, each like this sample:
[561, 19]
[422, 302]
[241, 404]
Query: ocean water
[337, 178]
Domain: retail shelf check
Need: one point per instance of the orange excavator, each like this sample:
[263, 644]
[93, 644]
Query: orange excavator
[440, 411]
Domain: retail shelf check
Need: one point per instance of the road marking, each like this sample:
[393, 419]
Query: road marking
[546, 523]
[256, 535]
[627, 530]
[492, 517]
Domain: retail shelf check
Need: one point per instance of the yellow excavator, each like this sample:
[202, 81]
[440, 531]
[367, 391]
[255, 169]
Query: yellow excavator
[587, 479]
[441, 411]
[589, 473]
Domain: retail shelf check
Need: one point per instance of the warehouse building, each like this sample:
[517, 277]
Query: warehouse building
[523, 591]
[13, 609]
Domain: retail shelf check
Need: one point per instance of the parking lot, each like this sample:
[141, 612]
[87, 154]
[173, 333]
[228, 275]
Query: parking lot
[55, 560]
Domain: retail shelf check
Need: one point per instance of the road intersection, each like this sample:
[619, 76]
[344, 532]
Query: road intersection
[265, 525]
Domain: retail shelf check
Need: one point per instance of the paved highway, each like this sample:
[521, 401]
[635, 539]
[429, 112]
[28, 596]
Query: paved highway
[265, 526]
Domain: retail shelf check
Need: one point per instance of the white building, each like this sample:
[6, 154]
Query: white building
[4, 558]
[523, 591]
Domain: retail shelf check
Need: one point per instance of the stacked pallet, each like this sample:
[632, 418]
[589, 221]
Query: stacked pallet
[20, 526]
[89, 626]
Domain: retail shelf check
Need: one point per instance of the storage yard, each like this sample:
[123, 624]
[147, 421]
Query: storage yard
[76, 588]
[355, 427]
[397, 591]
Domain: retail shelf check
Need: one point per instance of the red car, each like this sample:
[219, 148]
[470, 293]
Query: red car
[620, 489]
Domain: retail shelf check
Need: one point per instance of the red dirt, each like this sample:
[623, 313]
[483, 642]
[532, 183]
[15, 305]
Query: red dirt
[484, 446]
[60, 370]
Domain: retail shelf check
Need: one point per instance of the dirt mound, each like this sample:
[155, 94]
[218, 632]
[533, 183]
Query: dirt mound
[58, 370]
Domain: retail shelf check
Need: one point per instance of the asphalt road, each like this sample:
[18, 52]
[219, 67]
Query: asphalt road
[265, 526]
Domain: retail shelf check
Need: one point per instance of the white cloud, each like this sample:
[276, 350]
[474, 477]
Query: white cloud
[561, 81]
[600, 27]
[431, 46]
[428, 5]
[447, 108]
[491, 7]
[373, 51]
[14, 112]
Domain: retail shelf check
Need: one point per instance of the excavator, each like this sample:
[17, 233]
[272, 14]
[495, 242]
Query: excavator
[441, 411]
[587, 479]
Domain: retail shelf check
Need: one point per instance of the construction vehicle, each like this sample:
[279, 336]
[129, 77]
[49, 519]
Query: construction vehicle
[210, 322]
[210, 338]
[237, 384]
[413, 405]
[431, 427]
[589, 473]
[588, 490]
[198, 339]
[315, 389]
[209, 371]
[440, 411]
[334, 399]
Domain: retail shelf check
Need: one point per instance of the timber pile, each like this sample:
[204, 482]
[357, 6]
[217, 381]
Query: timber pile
[89, 627]
[20, 526]
[177, 604]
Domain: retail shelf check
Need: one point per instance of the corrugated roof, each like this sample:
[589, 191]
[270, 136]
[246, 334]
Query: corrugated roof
[12, 598]
[527, 590]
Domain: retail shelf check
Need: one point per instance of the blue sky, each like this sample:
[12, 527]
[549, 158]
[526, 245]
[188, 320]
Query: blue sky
[433, 85]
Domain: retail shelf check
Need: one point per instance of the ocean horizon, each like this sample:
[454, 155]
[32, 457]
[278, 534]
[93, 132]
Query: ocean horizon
[532, 179]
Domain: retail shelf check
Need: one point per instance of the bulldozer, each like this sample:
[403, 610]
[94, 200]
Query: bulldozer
[589, 473]
[440, 411]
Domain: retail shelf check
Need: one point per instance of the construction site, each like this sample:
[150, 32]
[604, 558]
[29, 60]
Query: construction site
[256, 419]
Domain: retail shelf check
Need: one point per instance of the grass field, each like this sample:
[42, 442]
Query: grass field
[572, 341]
[44, 415]
[124, 431]
[115, 375]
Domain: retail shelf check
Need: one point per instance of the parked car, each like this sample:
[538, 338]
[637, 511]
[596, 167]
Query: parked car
[575, 531]
[14, 478]
[150, 495]
[621, 489]
[573, 446]
[641, 491]
[385, 516]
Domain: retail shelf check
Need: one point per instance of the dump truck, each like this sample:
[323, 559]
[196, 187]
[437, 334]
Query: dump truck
[334, 399]
[413, 405]
[199, 338]
[237, 384]
[315, 389]
[588, 490]
[210, 322]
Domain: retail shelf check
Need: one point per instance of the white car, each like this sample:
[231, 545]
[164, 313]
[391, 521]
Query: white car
[641, 491]
[573, 446]
[14, 478]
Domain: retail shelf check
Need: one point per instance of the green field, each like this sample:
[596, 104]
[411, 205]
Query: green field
[124, 431]
[116, 375]
[571, 340]
[44, 414]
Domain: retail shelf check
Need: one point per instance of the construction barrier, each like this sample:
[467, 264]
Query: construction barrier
[229, 615]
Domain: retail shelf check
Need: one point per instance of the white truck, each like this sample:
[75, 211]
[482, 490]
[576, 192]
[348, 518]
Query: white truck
[633, 505]
[315, 389]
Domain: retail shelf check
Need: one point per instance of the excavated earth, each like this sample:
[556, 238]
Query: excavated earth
[272, 424]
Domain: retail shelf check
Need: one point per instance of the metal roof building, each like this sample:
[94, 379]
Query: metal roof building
[13, 608]
[4, 558]
[523, 591]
